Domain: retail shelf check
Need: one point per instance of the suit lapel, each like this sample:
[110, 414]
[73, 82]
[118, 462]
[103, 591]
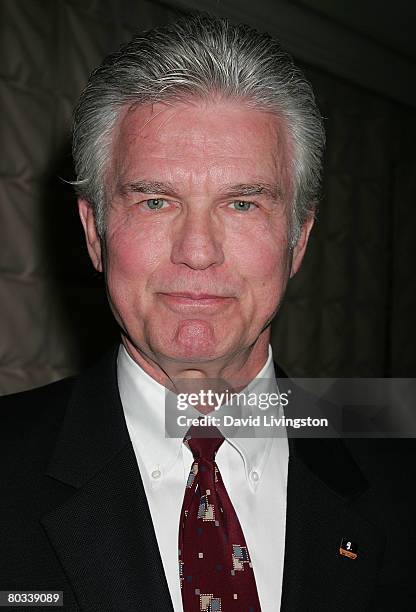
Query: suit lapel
[103, 535]
[323, 482]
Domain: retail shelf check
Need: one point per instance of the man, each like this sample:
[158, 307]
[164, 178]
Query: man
[198, 149]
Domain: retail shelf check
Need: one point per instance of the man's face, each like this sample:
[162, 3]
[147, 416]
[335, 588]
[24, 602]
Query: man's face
[197, 255]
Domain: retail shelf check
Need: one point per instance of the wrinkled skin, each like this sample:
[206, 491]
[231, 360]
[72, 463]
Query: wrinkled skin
[196, 255]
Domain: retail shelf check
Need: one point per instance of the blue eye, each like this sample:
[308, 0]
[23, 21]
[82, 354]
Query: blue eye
[242, 205]
[155, 203]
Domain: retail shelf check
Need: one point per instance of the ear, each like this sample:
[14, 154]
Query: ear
[91, 235]
[300, 247]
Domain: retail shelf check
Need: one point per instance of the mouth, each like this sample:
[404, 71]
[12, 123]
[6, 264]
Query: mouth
[186, 299]
[189, 295]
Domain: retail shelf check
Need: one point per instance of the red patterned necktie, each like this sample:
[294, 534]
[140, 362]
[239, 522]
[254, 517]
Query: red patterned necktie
[214, 564]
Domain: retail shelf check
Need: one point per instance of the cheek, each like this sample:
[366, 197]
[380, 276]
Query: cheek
[132, 256]
[263, 260]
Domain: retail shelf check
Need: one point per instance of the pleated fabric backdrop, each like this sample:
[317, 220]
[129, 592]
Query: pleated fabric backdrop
[349, 312]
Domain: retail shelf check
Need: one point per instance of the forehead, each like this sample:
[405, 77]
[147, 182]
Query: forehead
[188, 141]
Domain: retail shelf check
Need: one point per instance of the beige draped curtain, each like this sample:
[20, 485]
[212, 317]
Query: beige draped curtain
[350, 310]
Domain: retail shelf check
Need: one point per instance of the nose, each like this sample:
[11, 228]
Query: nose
[197, 241]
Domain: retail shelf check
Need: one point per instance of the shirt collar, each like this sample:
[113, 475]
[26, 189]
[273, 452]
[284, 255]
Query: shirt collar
[255, 451]
[143, 400]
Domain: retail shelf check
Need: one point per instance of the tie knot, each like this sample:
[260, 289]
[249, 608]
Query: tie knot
[204, 442]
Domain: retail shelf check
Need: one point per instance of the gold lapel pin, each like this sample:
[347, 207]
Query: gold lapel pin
[348, 549]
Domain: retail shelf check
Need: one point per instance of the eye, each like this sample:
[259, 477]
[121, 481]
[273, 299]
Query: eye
[155, 203]
[242, 205]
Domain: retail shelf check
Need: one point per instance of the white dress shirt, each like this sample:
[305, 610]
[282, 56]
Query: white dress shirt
[254, 471]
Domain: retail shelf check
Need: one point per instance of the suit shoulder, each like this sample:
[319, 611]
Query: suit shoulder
[387, 463]
[34, 410]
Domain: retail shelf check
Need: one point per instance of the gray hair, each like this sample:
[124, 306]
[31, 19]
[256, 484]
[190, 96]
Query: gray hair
[199, 56]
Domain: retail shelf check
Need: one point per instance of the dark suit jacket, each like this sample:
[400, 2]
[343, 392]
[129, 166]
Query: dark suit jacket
[74, 516]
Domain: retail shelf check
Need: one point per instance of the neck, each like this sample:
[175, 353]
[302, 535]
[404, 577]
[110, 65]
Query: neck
[237, 369]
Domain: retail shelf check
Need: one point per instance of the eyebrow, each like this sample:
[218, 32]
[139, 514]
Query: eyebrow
[253, 189]
[147, 187]
[241, 189]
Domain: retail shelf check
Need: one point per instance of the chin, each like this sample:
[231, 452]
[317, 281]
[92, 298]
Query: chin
[192, 340]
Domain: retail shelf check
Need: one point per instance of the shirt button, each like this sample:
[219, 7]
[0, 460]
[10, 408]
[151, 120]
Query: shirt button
[156, 474]
[254, 476]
